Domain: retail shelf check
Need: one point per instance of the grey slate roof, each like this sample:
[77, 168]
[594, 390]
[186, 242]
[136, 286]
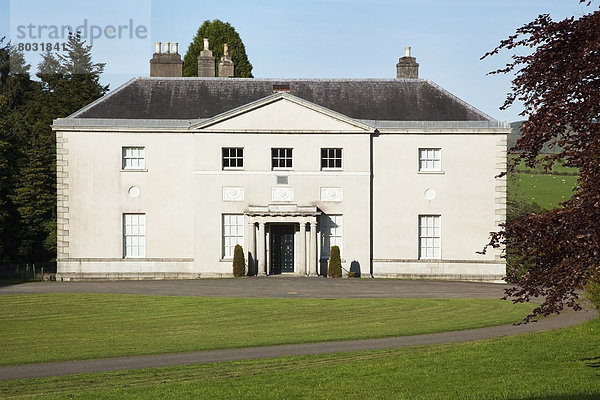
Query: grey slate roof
[198, 98]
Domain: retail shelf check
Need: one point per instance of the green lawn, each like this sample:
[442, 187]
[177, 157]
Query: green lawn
[546, 190]
[561, 364]
[53, 327]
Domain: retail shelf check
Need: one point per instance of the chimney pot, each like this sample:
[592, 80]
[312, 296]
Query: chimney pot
[407, 67]
[166, 64]
[175, 46]
[226, 66]
[206, 45]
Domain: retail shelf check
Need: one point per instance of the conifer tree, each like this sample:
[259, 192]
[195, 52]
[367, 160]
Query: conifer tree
[27, 143]
[218, 33]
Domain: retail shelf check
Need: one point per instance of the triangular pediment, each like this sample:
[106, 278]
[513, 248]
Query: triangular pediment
[283, 113]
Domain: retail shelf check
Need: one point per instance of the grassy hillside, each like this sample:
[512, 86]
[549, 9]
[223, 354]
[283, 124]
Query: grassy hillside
[545, 190]
[535, 185]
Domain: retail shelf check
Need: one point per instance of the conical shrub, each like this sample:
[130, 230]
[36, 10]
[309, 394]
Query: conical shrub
[239, 263]
[334, 269]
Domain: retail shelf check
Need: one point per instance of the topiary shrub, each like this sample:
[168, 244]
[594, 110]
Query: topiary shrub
[239, 264]
[334, 269]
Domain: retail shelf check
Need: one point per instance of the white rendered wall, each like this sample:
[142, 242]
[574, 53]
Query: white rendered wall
[257, 180]
[466, 195]
[98, 197]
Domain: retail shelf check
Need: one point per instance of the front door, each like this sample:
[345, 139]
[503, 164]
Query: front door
[282, 248]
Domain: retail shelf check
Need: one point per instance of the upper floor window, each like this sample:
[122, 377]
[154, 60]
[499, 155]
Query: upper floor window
[331, 158]
[282, 158]
[430, 159]
[134, 157]
[233, 157]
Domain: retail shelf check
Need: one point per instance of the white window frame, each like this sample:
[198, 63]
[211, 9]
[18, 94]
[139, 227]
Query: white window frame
[237, 158]
[430, 237]
[332, 157]
[430, 159]
[278, 157]
[332, 233]
[134, 235]
[133, 158]
[232, 226]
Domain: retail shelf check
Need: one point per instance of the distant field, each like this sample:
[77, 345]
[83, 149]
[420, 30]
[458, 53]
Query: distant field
[546, 190]
[557, 168]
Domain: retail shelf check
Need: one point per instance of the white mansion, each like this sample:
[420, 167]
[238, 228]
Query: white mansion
[162, 177]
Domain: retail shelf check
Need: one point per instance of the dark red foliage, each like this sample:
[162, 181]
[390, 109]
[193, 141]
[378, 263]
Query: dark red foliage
[559, 85]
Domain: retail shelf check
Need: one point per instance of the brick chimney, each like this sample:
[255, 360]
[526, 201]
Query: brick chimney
[206, 62]
[169, 63]
[407, 67]
[226, 66]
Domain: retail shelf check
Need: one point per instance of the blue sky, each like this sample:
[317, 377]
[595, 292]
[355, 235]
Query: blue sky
[313, 38]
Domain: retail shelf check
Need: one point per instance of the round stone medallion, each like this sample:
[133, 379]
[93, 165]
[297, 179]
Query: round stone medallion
[430, 194]
[133, 192]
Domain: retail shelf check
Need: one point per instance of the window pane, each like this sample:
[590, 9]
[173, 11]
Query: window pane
[134, 235]
[331, 233]
[133, 157]
[233, 233]
[331, 158]
[430, 159]
[429, 236]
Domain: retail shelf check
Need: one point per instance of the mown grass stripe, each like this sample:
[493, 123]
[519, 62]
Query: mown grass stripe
[58, 327]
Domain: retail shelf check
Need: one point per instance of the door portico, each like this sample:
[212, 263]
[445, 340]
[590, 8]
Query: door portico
[277, 242]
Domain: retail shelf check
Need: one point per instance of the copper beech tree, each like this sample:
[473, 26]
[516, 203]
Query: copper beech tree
[558, 83]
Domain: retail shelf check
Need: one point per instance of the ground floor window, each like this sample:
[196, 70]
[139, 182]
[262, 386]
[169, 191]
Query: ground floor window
[233, 233]
[134, 235]
[331, 233]
[429, 236]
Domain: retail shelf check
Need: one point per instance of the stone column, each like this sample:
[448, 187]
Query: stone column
[301, 269]
[261, 253]
[313, 250]
[268, 250]
[250, 246]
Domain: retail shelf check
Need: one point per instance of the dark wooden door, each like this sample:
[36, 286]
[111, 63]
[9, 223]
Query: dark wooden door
[282, 248]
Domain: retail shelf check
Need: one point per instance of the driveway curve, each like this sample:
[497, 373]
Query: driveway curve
[279, 287]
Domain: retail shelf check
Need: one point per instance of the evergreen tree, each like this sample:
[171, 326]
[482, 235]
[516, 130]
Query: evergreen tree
[27, 143]
[79, 82]
[16, 90]
[218, 33]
